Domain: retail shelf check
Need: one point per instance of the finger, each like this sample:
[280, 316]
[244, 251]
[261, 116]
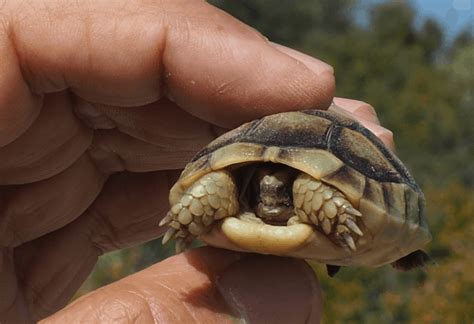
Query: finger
[144, 138]
[161, 123]
[127, 212]
[35, 209]
[57, 139]
[359, 109]
[318, 66]
[53, 143]
[19, 107]
[209, 63]
[12, 306]
[385, 135]
[42, 207]
[114, 151]
[206, 285]
[266, 289]
[366, 115]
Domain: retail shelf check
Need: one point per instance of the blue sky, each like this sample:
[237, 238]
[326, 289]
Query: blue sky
[453, 15]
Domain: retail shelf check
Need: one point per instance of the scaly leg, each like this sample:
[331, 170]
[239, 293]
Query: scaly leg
[212, 197]
[327, 208]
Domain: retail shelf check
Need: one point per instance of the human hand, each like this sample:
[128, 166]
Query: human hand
[100, 102]
[206, 285]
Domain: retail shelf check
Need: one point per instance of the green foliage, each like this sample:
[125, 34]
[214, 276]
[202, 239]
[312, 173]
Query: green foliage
[393, 22]
[425, 96]
[288, 22]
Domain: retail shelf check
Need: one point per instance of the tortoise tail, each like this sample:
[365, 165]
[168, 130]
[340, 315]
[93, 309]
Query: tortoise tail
[332, 270]
[413, 260]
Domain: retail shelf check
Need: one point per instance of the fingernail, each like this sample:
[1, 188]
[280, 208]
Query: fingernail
[318, 66]
[268, 289]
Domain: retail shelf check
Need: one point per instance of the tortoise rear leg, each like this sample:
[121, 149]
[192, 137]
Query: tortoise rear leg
[210, 198]
[327, 208]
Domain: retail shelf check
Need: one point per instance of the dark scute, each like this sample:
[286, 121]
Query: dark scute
[412, 206]
[421, 208]
[315, 134]
[344, 121]
[391, 157]
[276, 130]
[394, 201]
[373, 192]
[351, 155]
[346, 174]
[336, 118]
[292, 138]
[332, 269]
[413, 260]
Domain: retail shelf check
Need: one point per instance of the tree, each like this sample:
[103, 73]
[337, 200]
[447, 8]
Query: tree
[288, 22]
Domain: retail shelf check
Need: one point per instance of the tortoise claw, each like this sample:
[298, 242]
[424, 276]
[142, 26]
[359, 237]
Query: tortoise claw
[180, 245]
[349, 241]
[210, 198]
[328, 209]
[351, 210]
[166, 219]
[353, 226]
[168, 235]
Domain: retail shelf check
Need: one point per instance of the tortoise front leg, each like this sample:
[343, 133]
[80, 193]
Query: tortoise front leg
[327, 208]
[212, 197]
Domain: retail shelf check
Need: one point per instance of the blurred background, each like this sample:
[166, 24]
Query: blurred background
[414, 62]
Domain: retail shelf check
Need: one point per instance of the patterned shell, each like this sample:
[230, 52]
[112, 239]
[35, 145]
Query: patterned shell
[338, 151]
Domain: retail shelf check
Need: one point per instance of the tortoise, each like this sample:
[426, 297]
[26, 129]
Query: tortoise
[310, 184]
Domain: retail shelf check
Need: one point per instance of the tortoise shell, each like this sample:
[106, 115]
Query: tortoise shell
[340, 153]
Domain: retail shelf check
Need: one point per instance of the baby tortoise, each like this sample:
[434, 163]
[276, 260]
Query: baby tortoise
[311, 184]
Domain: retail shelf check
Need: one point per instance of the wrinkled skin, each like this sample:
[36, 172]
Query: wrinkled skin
[89, 96]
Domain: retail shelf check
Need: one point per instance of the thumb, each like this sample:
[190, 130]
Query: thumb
[205, 285]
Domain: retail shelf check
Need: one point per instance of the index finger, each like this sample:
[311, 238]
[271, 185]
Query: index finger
[124, 53]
